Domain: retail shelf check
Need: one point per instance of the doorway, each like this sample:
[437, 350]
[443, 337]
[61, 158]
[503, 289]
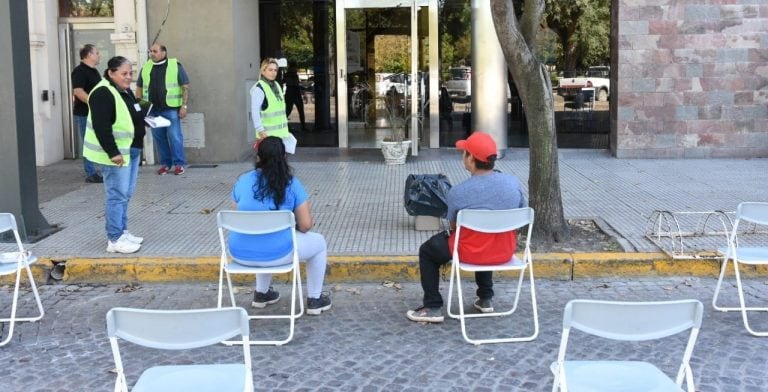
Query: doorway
[385, 56]
[72, 37]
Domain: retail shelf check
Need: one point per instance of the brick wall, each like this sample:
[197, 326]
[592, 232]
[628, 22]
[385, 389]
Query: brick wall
[692, 78]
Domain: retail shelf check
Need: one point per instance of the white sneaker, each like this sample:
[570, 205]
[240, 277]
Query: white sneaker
[130, 237]
[122, 245]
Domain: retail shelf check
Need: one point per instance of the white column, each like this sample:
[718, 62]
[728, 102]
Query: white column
[489, 77]
[434, 77]
[44, 61]
[341, 73]
[414, 79]
[124, 36]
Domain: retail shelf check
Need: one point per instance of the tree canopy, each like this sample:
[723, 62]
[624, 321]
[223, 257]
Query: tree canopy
[583, 28]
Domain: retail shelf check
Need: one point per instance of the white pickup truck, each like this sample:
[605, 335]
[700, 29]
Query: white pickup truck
[460, 84]
[596, 77]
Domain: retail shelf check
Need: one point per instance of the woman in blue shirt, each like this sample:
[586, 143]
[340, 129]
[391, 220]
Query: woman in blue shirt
[272, 186]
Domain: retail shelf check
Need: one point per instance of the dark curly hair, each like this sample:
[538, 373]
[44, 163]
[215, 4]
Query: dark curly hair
[275, 172]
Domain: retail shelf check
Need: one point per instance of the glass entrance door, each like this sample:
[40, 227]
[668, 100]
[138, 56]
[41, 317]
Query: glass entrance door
[378, 80]
[382, 48]
[72, 37]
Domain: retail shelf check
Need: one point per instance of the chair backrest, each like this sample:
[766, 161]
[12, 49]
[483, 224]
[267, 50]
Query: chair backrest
[632, 321]
[495, 221]
[753, 212]
[8, 223]
[177, 329]
[256, 222]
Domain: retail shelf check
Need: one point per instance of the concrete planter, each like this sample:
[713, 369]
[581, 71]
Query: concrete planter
[395, 152]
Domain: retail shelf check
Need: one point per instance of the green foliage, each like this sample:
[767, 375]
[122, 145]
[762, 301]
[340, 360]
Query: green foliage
[297, 27]
[86, 8]
[392, 53]
[548, 47]
[454, 20]
[583, 28]
[575, 34]
[593, 37]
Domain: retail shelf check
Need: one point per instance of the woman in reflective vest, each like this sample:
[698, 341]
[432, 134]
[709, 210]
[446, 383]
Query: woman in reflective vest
[113, 140]
[268, 107]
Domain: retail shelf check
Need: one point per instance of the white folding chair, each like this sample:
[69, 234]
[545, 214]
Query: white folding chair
[181, 330]
[13, 263]
[493, 221]
[757, 214]
[626, 321]
[260, 222]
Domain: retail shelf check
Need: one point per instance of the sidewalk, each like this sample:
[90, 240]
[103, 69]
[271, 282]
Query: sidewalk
[365, 342]
[357, 205]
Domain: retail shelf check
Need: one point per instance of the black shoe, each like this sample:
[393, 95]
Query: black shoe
[94, 179]
[484, 305]
[426, 315]
[261, 300]
[316, 306]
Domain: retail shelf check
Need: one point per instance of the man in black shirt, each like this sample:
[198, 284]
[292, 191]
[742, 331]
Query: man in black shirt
[84, 77]
[293, 94]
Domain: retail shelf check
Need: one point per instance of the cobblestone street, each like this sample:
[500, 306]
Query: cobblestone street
[365, 343]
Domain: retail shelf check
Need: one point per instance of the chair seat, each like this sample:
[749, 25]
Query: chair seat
[751, 255]
[615, 376]
[12, 257]
[236, 268]
[201, 378]
[8, 262]
[514, 264]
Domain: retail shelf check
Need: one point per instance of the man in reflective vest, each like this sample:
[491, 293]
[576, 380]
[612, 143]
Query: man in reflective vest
[167, 87]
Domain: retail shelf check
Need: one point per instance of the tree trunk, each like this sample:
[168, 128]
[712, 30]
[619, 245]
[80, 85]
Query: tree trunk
[535, 89]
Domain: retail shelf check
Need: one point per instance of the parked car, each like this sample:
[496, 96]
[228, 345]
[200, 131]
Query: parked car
[595, 77]
[385, 81]
[460, 84]
[599, 72]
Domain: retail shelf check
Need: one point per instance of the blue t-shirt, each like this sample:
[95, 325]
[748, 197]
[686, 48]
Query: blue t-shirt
[263, 247]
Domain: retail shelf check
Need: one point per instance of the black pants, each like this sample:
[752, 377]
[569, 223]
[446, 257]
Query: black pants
[434, 253]
[293, 97]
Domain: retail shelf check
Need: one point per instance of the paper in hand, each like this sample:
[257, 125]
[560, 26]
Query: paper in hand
[157, 121]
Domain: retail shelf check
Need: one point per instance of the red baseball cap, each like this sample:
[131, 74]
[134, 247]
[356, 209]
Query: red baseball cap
[479, 144]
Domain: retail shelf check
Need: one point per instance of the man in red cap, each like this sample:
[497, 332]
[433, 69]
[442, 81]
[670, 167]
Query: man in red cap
[485, 189]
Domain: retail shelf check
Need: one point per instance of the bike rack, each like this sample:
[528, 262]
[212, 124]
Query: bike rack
[689, 235]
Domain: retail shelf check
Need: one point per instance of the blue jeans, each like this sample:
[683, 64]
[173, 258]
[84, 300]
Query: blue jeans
[117, 182]
[134, 165]
[80, 122]
[169, 140]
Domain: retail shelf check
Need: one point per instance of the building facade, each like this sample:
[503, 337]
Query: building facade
[691, 79]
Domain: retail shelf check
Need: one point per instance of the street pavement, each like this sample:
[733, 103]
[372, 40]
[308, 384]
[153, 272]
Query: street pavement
[365, 342]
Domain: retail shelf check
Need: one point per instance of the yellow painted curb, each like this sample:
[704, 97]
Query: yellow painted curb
[592, 265]
[557, 266]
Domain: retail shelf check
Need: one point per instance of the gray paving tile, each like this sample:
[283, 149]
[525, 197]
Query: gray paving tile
[365, 342]
[357, 203]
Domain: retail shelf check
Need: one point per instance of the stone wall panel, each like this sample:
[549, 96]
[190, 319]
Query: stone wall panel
[694, 74]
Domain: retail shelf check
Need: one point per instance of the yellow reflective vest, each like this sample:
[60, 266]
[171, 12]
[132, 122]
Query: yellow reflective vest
[273, 119]
[173, 97]
[122, 130]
